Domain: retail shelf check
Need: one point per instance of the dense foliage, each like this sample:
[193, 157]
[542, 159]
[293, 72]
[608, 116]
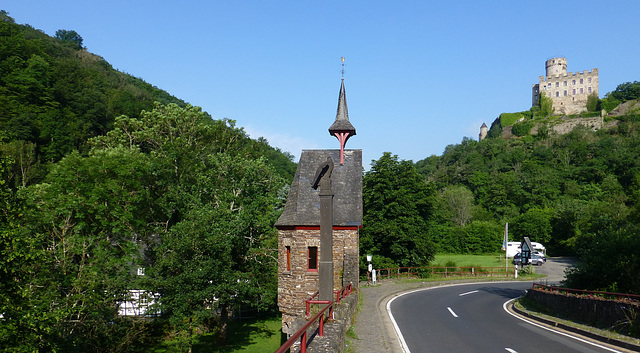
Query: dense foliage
[576, 193]
[624, 92]
[103, 191]
[55, 95]
[396, 207]
[169, 192]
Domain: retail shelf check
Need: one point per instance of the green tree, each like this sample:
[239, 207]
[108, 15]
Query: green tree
[70, 36]
[592, 102]
[546, 105]
[535, 223]
[215, 209]
[222, 254]
[397, 204]
[625, 92]
[458, 203]
[89, 217]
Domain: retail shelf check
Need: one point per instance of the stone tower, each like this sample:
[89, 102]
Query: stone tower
[568, 90]
[483, 132]
[299, 226]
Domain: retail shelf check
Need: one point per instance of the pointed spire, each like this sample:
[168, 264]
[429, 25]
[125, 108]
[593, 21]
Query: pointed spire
[342, 123]
[342, 128]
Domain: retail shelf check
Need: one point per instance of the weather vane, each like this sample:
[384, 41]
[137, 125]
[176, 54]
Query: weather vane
[342, 59]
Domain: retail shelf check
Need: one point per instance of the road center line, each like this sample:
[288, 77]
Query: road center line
[451, 311]
[510, 350]
[473, 291]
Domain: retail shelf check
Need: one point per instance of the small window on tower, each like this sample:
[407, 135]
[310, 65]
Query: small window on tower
[313, 259]
[288, 250]
[557, 94]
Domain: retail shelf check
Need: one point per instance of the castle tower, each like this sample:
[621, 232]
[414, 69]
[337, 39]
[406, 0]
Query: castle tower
[299, 226]
[483, 132]
[568, 91]
[556, 66]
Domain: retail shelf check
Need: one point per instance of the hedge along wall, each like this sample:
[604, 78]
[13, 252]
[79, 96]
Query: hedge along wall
[621, 316]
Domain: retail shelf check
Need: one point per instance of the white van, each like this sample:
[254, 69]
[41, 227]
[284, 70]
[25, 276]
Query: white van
[513, 248]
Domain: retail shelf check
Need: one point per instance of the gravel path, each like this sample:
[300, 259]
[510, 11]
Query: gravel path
[373, 328]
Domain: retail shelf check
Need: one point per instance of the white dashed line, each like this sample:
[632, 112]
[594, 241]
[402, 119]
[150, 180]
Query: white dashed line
[473, 291]
[451, 311]
[510, 350]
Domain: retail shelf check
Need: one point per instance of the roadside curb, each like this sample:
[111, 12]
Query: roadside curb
[591, 335]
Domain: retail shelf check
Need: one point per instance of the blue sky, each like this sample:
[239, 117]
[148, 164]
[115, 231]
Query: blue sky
[419, 75]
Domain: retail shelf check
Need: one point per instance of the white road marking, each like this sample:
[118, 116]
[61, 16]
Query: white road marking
[510, 350]
[451, 311]
[403, 343]
[473, 291]
[504, 306]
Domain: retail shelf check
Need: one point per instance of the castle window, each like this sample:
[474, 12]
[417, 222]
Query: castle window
[557, 84]
[581, 81]
[574, 91]
[565, 92]
[288, 249]
[312, 263]
[581, 90]
[574, 82]
[589, 79]
[557, 94]
[589, 89]
[565, 83]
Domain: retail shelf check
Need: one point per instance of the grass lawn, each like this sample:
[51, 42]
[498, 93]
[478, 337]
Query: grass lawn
[494, 260]
[251, 336]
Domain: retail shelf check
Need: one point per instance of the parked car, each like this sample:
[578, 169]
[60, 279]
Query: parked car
[541, 254]
[536, 259]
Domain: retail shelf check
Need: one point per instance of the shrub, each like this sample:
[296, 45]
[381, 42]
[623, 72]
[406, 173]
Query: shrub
[527, 270]
[522, 128]
[592, 102]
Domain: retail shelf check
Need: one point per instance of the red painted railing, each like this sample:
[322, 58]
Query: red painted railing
[609, 295]
[387, 273]
[301, 334]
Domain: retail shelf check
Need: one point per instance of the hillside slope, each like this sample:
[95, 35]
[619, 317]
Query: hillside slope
[55, 95]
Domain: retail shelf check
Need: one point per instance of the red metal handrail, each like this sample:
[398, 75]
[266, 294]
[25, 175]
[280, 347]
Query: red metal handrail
[618, 296]
[302, 332]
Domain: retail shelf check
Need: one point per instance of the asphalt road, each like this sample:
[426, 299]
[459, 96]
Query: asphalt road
[471, 318]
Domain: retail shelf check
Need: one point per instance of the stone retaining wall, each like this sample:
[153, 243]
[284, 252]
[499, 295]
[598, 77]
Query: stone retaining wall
[593, 311]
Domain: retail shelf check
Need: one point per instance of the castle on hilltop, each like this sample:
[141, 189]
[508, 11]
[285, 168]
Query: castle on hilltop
[568, 90]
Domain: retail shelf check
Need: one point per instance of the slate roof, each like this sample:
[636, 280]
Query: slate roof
[303, 203]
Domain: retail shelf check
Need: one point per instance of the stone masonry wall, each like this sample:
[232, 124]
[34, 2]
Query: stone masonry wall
[298, 283]
[588, 310]
[567, 126]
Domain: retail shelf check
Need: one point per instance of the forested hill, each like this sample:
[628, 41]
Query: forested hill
[576, 193]
[55, 95]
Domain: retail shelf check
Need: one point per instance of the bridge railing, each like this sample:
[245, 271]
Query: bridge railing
[325, 312]
[473, 271]
[607, 295]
